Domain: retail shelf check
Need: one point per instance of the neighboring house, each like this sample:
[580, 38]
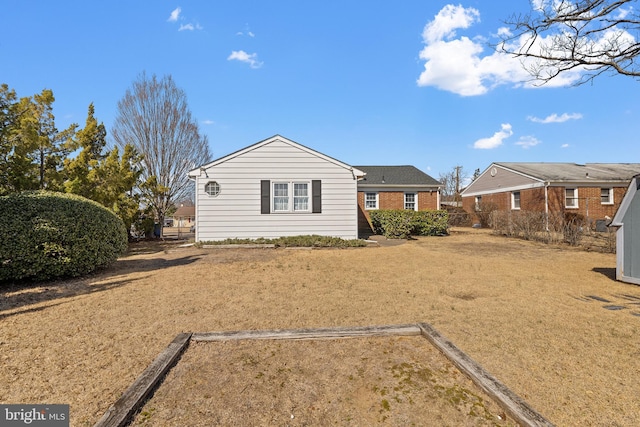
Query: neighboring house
[627, 222]
[394, 187]
[594, 190]
[275, 188]
[184, 216]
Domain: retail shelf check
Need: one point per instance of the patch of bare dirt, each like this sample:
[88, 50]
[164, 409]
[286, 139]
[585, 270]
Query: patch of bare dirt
[364, 381]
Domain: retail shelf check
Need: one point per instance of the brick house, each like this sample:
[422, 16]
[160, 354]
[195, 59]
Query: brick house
[394, 187]
[593, 190]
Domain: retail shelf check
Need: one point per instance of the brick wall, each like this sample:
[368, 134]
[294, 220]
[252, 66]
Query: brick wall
[532, 200]
[427, 200]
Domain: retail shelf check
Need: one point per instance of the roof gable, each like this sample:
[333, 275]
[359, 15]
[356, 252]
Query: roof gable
[395, 176]
[276, 138]
[627, 200]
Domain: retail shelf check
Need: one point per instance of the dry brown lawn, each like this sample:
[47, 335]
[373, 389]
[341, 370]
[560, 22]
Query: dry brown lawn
[550, 322]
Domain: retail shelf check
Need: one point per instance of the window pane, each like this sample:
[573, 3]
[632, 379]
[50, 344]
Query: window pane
[281, 197]
[605, 195]
[300, 197]
[570, 198]
[410, 201]
[212, 188]
[370, 201]
[516, 200]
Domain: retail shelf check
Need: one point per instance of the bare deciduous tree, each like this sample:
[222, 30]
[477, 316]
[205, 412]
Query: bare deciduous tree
[581, 37]
[154, 118]
[452, 183]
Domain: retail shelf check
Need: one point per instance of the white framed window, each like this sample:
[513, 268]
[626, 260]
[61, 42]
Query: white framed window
[411, 201]
[606, 196]
[571, 198]
[291, 197]
[300, 196]
[478, 202]
[515, 200]
[212, 188]
[371, 200]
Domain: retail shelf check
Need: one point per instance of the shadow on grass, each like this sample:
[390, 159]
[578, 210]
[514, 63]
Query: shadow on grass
[606, 271]
[24, 294]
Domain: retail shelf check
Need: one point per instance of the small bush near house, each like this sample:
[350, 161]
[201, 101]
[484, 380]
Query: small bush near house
[573, 229]
[400, 224]
[308, 241]
[484, 211]
[45, 235]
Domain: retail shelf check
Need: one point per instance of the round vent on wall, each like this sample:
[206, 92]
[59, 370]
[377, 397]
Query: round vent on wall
[494, 171]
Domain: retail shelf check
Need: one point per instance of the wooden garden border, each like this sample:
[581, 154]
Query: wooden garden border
[121, 412]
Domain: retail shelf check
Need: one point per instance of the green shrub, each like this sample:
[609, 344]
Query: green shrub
[45, 235]
[306, 241]
[400, 224]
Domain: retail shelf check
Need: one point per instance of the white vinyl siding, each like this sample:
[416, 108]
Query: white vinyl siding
[236, 212]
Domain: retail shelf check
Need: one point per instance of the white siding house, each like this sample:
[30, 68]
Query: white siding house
[275, 188]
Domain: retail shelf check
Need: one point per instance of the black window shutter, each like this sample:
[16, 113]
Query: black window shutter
[265, 196]
[316, 191]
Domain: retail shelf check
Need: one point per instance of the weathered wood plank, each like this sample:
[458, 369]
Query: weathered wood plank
[241, 246]
[308, 334]
[132, 399]
[517, 408]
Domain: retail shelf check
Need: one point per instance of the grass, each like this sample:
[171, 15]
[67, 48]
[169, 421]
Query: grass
[527, 312]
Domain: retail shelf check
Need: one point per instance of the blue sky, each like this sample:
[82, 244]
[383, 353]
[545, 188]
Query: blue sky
[367, 82]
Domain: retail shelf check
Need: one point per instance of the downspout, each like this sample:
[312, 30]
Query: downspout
[546, 205]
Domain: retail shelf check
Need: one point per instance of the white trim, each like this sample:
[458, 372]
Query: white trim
[291, 197]
[415, 200]
[513, 201]
[504, 190]
[377, 200]
[611, 193]
[626, 202]
[575, 198]
[198, 171]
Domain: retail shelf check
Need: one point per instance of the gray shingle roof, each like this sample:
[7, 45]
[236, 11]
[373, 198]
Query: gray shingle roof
[575, 172]
[395, 175]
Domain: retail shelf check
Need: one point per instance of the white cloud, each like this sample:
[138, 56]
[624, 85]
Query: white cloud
[495, 140]
[208, 122]
[248, 58]
[527, 142]
[459, 64]
[565, 146]
[190, 27]
[554, 118]
[456, 65]
[175, 15]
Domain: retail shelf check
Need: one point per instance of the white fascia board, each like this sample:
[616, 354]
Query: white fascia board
[504, 190]
[626, 202]
[391, 187]
[603, 184]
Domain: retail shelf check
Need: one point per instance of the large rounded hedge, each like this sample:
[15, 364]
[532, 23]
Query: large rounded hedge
[45, 235]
